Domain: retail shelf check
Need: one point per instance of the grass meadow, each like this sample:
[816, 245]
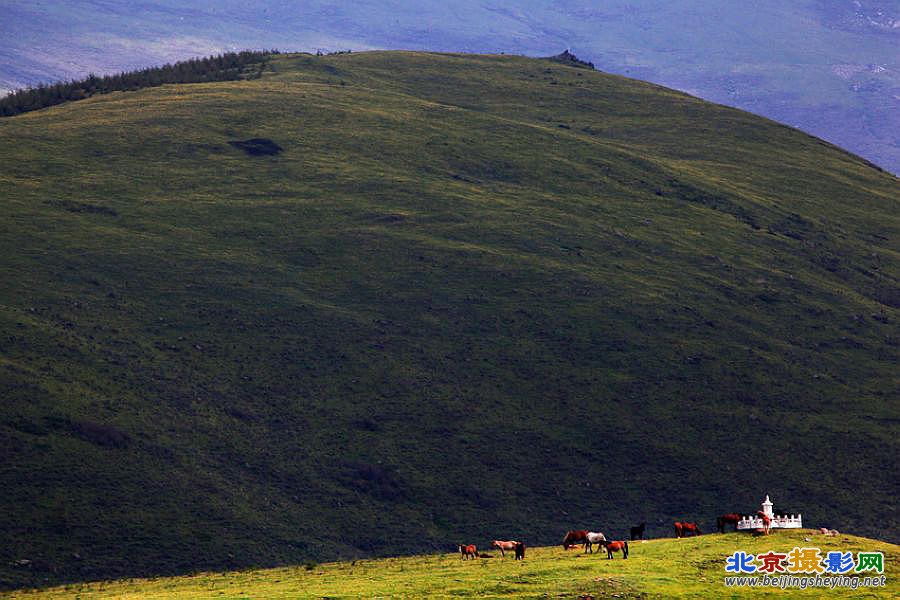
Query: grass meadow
[470, 297]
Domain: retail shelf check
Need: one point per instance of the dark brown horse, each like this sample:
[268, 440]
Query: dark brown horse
[690, 529]
[766, 520]
[637, 533]
[468, 551]
[615, 547]
[727, 518]
[520, 550]
[575, 537]
[679, 529]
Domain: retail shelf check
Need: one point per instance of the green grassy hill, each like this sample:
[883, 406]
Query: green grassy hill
[472, 297]
[660, 568]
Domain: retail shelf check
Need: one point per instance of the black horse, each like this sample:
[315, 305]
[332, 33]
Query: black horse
[637, 533]
[520, 550]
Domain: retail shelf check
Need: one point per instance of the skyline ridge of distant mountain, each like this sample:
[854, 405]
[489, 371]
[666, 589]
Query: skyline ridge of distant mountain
[829, 68]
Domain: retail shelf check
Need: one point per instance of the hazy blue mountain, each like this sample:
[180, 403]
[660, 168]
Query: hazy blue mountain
[830, 67]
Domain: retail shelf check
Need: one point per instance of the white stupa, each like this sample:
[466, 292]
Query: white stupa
[754, 522]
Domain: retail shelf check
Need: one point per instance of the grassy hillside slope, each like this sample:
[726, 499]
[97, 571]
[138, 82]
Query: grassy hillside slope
[668, 568]
[472, 296]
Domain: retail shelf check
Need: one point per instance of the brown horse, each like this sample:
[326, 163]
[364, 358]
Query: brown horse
[679, 529]
[766, 519]
[468, 551]
[727, 518]
[690, 528]
[504, 546]
[520, 550]
[575, 537]
[615, 547]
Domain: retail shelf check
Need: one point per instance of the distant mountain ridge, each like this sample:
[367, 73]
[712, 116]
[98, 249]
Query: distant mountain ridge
[829, 67]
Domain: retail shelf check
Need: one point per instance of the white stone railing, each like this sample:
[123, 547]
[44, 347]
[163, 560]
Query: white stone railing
[778, 521]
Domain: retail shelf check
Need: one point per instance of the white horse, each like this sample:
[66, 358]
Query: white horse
[502, 546]
[593, 537]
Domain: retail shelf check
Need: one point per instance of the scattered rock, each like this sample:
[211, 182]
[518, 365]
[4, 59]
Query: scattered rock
[567, 58]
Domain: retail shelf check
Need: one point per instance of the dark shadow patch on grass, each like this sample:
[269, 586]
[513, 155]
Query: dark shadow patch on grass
[239, 414]
[793, 226]
[684, 191]
[74, 206]
[257, 146]
[367, 425]
[100, 434]
[389, 219]
[28, 426]
[380, 482]
[889, 296]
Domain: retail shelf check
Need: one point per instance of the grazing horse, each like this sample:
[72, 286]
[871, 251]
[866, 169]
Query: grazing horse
[766, 519]
[679, 529]
[468, 551]
[690, 528]
[575, 537]
[593, 537]
[637, 533]
[732, 518]
[503, 546]
[520, 550]
[615, 547]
